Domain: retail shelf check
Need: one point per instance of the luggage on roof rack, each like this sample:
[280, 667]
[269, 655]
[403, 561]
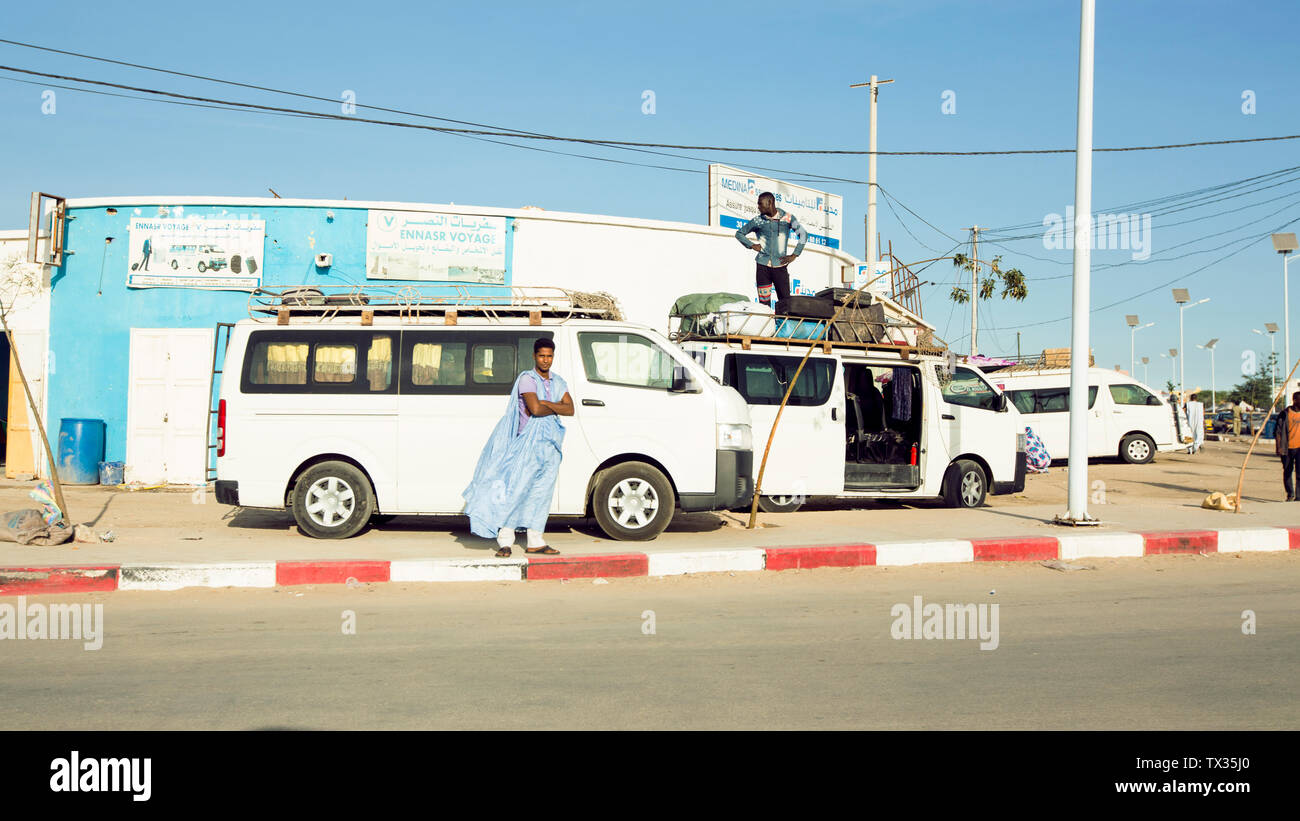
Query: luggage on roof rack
[412, 303]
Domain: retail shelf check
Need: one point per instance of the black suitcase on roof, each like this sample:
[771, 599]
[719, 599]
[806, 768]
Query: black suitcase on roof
[809, 307]
[839, 295]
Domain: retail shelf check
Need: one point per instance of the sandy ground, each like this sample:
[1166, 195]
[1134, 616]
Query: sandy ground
[184, 525]
[1154, 643]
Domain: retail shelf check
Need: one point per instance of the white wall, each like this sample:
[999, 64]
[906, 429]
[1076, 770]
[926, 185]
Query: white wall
[646, 268]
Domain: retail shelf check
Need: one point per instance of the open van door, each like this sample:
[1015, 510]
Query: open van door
[807, 454]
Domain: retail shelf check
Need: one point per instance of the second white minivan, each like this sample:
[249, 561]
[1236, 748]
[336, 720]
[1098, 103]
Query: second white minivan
[1125, 417]
[868, 421]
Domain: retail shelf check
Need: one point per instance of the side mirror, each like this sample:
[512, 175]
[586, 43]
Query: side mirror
[1001, 405]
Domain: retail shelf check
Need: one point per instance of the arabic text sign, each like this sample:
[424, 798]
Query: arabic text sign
[195, 252]
[733, 201]
[435, 247]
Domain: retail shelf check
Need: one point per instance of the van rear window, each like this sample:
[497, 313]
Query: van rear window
[279, 363]
[333, 362]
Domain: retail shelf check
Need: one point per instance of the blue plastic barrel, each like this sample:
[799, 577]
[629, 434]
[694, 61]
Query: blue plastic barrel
[110, 473]
[81, 449]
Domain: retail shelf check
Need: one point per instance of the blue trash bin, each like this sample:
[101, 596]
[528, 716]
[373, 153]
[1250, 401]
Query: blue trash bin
[81, 449]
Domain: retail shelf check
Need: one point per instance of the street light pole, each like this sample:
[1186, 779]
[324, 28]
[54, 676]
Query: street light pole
[1183, 300]
[871, 252]
[1077, 478]
[1132, 344]
[1284, 244]
[1271, 328]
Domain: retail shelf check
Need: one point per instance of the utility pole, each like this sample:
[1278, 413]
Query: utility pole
[1017, 346]
[1077, 478]
[974, 289]
[871, 252]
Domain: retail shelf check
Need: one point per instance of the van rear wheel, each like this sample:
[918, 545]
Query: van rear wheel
[965, 484]
[780, 504]
[1137, 449]
[633, 502]
[332, 500]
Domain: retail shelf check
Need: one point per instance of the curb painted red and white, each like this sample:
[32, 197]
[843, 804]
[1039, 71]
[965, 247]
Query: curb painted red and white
[20, 581]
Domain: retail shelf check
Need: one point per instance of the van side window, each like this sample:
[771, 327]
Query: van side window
[967, 388]
[763, 380]
[278, 363]
[625, 359]
[379, 363]
[1023, 400]
[494, 365]
[325, 362]
[434, 363]
[335, 363]
[1132, 395]
[1050, 400]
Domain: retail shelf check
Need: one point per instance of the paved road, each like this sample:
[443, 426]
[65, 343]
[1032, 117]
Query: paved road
[1131, 644]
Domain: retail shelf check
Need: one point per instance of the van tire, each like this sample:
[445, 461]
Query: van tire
[965, 485]
[334, 488]
[639, 481]
[780, 504]
[1137, 449]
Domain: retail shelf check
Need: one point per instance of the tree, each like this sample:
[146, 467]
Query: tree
[1011, 280]
[1257, 389]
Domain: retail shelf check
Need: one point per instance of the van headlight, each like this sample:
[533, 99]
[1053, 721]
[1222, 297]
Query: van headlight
[735, 437]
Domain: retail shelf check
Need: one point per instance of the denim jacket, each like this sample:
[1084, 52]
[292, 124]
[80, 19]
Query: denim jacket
[774, 234]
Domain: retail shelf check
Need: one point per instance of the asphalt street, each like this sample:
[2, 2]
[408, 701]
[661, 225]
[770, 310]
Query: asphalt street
[1154, 643]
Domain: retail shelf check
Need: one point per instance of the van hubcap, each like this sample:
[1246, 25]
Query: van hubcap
[1138, 449]
[633, 503]
[972, 487]
[330, 501]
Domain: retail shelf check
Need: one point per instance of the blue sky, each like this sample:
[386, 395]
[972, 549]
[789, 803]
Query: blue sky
[756, 74]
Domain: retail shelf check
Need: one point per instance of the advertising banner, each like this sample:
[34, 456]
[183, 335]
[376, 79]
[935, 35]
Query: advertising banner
[733, 201]
[435, 247]
[216, 253]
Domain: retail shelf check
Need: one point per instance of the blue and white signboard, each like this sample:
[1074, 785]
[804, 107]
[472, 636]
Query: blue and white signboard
[733, 201]
[435, 247]
[214, 253]
[877, 282]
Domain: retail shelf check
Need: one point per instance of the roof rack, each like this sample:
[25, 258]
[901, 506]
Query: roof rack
[741, 326]
[419, 303]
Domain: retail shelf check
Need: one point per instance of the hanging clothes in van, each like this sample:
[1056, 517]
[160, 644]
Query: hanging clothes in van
[902, 399]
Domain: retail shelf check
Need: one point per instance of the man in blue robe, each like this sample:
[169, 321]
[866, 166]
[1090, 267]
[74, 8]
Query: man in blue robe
[516, 472]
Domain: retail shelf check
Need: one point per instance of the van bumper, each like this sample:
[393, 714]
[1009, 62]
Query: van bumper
[1018, 484]
[227, 492]
[733, 485]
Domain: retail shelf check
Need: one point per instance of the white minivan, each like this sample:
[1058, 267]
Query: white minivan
[1125, 417]
[870, 422]
[344, 414]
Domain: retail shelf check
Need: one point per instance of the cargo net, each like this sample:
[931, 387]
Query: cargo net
[414, 303]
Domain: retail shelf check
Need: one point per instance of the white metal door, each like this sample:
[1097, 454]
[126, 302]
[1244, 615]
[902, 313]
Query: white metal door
[167, 405]
[807, 454]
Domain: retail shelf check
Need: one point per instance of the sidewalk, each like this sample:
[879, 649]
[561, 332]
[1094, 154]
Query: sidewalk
[166, 539]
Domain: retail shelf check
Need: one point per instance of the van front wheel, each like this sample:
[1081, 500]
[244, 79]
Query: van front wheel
[633, 502]
[965, 484]
[332, 500]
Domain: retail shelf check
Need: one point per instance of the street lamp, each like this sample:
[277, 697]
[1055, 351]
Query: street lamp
[1182, 298]
[1272, 370]
[1133, 329]
[1209, 346]
[1284, 244]
[1146, 371]
[1173, 356]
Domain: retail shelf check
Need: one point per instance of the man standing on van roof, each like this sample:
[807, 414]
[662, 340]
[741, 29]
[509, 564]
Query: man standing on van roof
[773, 226]
[516, 472]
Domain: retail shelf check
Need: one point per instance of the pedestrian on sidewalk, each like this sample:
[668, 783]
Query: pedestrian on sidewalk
[1286, 443]
[516, 472]
[773, 226]
[1196, 421]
